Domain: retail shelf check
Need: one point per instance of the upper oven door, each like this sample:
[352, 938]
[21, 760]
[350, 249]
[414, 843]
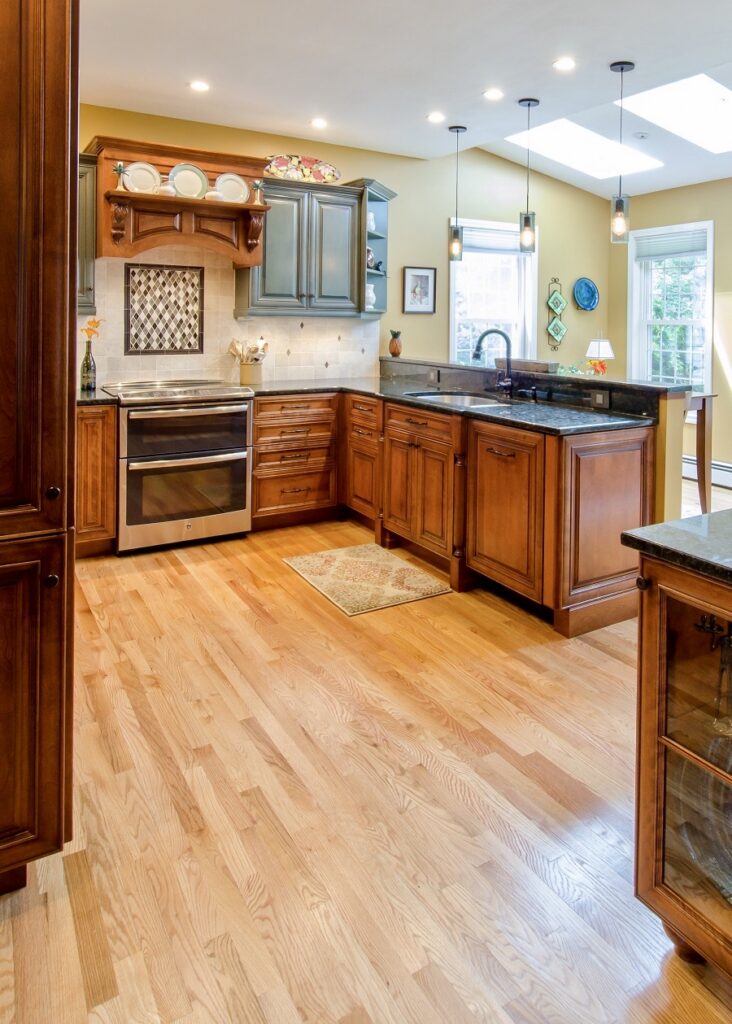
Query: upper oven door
[183, 430]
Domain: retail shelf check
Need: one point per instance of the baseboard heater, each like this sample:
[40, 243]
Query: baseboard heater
[721, 471]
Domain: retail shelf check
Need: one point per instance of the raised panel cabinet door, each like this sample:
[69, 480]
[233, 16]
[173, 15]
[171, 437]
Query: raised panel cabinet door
[398, 483]
[33, 698]
[96, 475]
[433, 494]
[505, 506]
[281, 281]
[87, 235]
[606, 489]
[37, 234]
[362, 478]
[334, 259]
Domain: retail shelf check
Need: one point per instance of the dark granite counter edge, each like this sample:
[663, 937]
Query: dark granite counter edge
[94, 398]
[642, 540]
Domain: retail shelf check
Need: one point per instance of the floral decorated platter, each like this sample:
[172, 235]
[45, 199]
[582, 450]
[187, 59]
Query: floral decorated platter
[301, 168]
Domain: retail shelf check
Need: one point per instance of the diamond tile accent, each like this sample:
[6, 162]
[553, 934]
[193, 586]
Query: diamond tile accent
[163, 309]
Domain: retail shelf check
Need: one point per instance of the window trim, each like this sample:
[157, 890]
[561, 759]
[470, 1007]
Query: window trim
[637, 348]
[529, 340]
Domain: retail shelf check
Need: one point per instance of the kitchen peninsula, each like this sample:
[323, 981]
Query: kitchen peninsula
[523, 493]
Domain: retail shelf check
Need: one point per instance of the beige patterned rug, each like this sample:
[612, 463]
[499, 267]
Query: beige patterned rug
[365, 577]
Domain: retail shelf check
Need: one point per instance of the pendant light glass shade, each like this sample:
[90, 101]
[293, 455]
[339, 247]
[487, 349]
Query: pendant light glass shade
[619, 219]
[455, 249]
[527, 217]
[620, 204]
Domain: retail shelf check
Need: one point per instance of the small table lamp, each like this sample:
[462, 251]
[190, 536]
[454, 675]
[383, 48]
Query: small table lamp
[598, 352]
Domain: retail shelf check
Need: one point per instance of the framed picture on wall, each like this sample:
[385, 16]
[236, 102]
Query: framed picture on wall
[419, 289]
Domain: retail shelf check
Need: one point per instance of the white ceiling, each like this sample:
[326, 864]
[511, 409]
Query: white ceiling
[374, 69]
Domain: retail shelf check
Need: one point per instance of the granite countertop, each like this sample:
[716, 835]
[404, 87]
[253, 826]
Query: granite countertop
[543, 417]
[702, 544]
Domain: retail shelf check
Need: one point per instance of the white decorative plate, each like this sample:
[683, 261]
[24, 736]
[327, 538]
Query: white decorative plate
[232, 187]
[140, 177]
[189, 181]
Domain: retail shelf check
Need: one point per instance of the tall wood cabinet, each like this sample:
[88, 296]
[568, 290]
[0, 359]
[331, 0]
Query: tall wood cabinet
[38, 176]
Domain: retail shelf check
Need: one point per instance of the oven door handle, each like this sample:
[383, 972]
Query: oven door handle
[166, 414]
[207, 460]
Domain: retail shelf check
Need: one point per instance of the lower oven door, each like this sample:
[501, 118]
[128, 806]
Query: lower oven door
[165, 501]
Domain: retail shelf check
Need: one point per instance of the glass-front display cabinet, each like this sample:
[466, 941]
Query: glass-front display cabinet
[684, 782]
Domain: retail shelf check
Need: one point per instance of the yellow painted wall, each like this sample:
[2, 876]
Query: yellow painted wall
[710, 200]
[573, 225]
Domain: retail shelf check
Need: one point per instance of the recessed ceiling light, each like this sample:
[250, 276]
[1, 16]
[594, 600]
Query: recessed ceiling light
[697, 109]
[199, 86]
[435, 117]
[493, 94]
[564, 64]
[319, 122]
[574, 146]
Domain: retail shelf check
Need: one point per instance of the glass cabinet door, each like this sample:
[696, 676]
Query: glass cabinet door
[696, 734]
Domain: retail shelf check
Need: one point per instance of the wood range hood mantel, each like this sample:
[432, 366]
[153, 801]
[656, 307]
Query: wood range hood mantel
[128, 223]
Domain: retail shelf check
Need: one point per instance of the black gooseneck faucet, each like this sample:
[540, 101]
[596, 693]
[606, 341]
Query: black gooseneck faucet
[506, 384]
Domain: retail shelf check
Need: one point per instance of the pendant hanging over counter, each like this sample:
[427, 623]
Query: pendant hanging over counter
[527, 218]
[620, 204]
[455, 251]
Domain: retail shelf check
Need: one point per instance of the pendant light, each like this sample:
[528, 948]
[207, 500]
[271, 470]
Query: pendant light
[527, 219]
[456, 232]
[620, 204]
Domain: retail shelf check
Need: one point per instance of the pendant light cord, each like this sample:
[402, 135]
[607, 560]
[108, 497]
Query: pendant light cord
[620, 176]
[528, 153]
[457, 175]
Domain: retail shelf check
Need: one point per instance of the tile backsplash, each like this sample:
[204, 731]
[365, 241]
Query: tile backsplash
[299, 348]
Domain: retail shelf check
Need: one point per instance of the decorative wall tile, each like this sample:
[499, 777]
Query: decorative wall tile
[163, 309]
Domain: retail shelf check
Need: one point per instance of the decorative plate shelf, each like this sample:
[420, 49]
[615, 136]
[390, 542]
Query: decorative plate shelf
[128, 223]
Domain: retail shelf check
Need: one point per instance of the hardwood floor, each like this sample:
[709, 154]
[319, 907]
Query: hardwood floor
[422, 814]
[721, 499]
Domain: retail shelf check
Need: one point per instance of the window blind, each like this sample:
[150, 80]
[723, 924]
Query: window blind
[685, 242]
[490, 240]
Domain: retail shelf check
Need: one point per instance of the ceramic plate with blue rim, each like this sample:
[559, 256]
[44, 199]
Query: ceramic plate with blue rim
[585, 293]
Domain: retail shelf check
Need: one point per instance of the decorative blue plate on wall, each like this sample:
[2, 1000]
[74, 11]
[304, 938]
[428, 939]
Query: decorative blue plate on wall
[585, 293]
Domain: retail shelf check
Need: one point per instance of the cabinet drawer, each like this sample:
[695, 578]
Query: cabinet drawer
[277, 459]
[362, 434]
[293, 433]
[294, 406]
[284, 491]
[437, 425]
[361, 409]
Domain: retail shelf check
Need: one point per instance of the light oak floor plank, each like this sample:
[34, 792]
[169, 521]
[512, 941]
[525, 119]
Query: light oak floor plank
[287, 816]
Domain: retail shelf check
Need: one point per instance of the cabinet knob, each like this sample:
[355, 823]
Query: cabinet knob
[52, 581]
[53, 493]
[642, 583]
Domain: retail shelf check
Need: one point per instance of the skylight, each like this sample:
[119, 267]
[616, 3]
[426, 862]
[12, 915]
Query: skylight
[697, 109]
[577, 147]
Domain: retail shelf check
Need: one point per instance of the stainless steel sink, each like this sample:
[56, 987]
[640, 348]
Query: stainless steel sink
[457, 399]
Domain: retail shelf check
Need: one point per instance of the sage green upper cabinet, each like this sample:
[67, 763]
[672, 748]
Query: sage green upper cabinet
[86, 241]
[313, 253]
[334, 255]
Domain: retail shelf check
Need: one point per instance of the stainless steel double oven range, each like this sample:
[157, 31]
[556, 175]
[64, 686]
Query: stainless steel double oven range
[184, 461]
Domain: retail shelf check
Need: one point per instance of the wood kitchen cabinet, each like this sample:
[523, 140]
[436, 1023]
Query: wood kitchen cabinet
[96, 479]
[684, 759]
[311, 259]
[38, 178]
[86, 235]
[506, 506]
[361, 448]
[423, 465]
[295, 464]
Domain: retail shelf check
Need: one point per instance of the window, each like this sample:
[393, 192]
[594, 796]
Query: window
[494, 285]
[670, 288]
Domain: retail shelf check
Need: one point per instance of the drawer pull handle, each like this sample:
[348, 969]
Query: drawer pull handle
[642, 583]
[295, 490]
[501, 455]
[295, 458]
[52, 581]
[295, 430]
[53, 492]
[413, 444]
[363, 433]
[295, 405]
[363, 408]
[417, 423]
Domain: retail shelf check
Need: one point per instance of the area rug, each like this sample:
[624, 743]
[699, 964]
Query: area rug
[364, 578]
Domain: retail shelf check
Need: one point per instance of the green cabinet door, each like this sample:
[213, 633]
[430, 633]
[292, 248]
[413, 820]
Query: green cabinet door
[86, 242]
[334, 249]
[281, 281]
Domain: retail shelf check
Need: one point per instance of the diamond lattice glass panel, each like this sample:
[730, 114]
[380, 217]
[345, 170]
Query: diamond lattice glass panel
[163, 309]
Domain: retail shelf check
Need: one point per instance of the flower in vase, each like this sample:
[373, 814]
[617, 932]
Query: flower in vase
[91, 328]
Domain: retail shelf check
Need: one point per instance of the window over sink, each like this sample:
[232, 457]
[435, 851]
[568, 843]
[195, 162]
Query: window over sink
[494, 285]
